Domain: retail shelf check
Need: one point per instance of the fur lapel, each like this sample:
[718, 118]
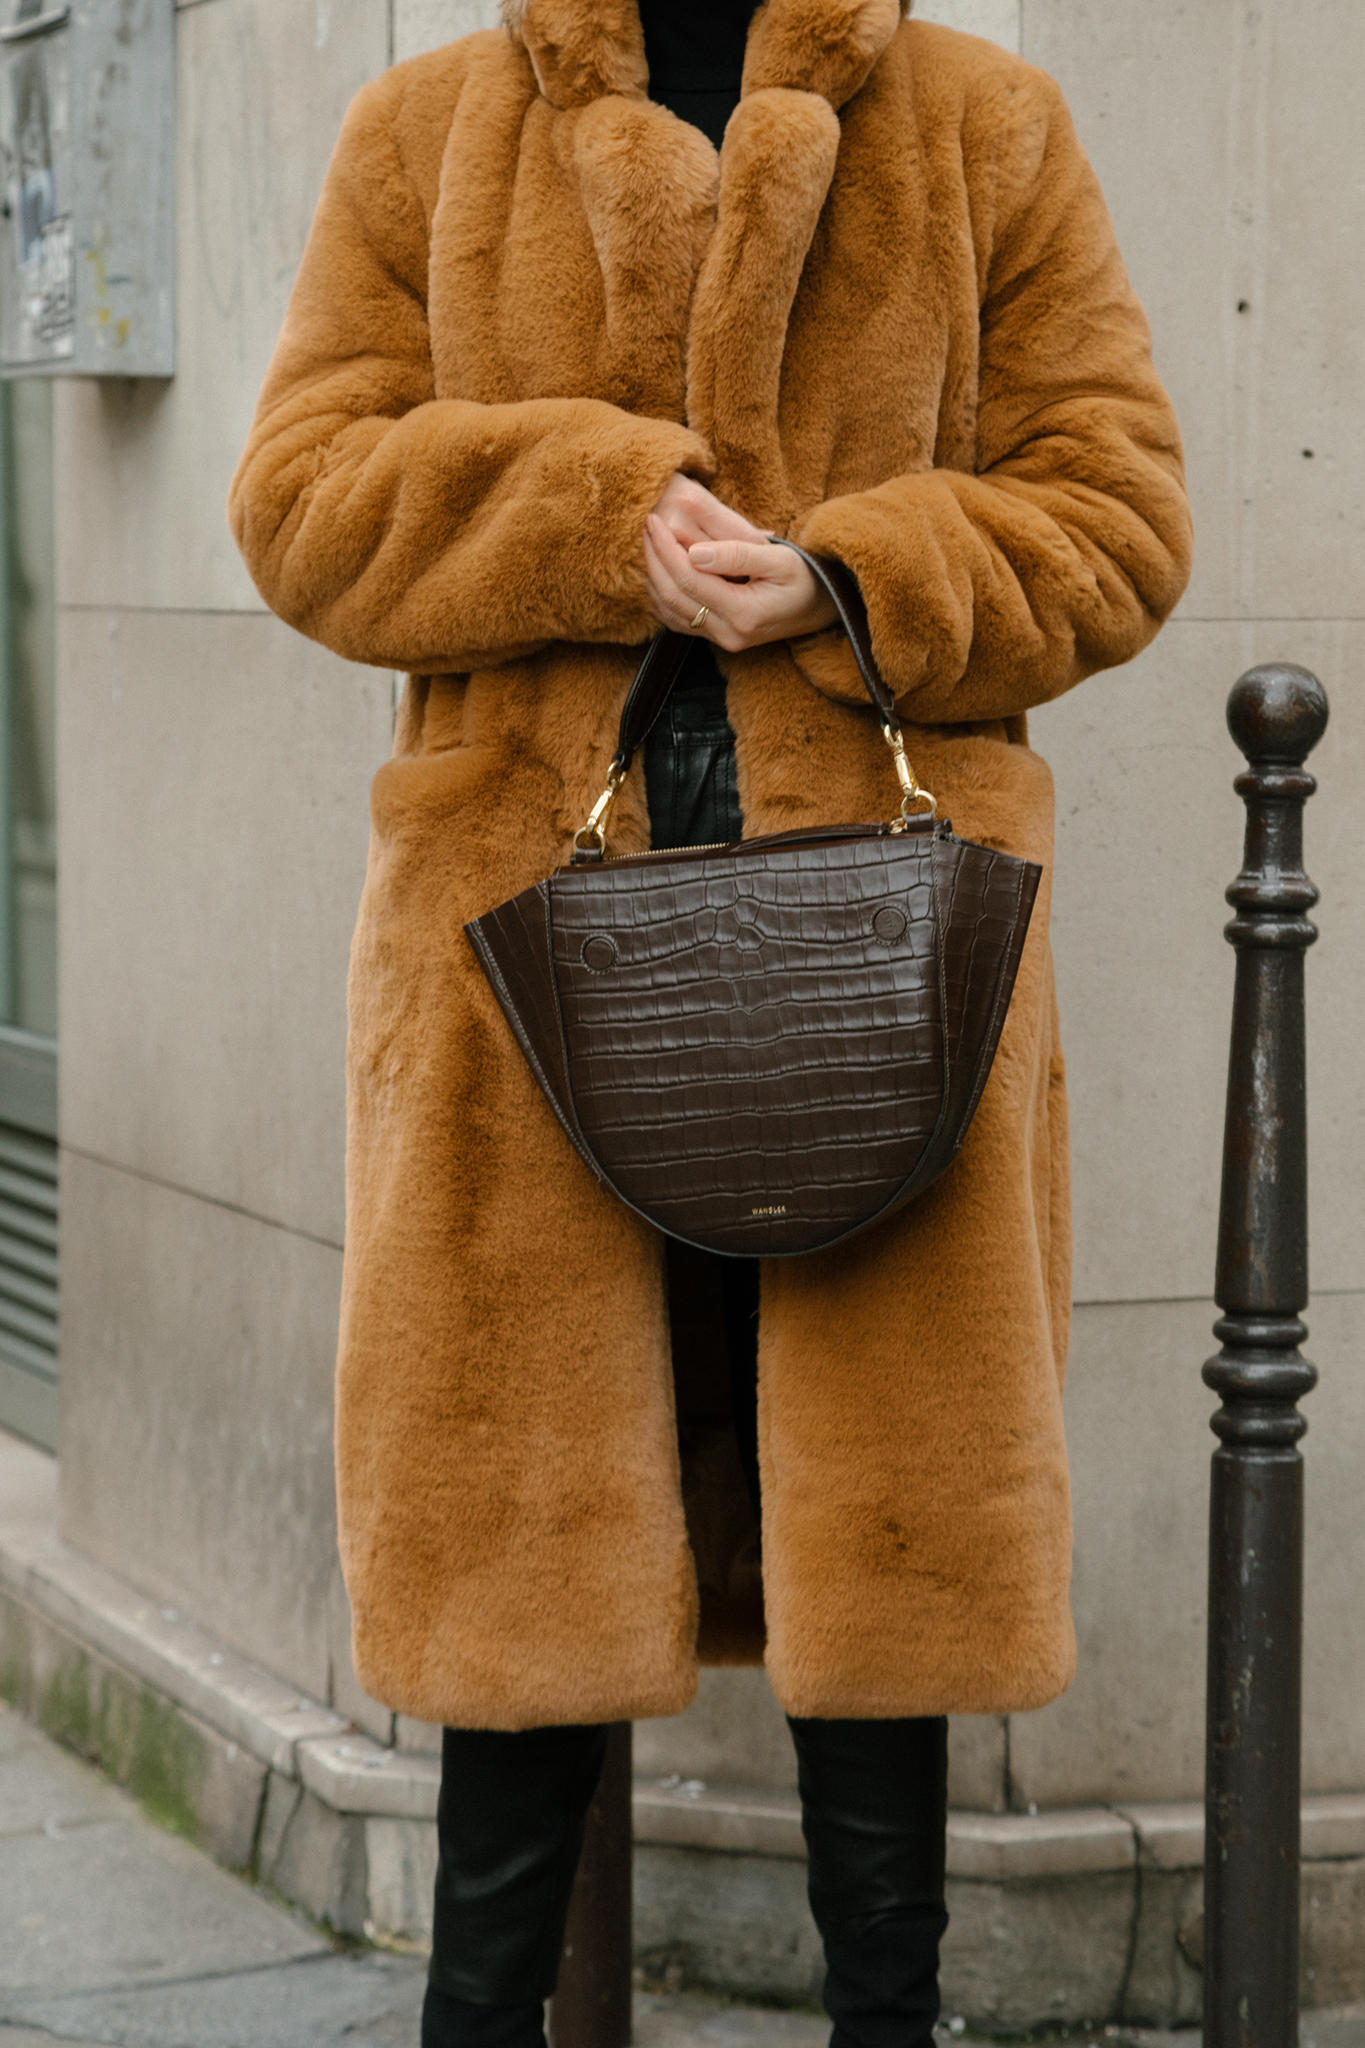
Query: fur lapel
[580, 49]
[695, 256]
[776, 164]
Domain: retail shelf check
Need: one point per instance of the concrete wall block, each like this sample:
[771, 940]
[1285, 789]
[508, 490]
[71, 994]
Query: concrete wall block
[228, 1791]
[401, 1862]
[346, 1693]
[197, 1456]
[1051, 1950]
[1165, 1987]
[1332, 1939]
[1258, 326]
[735, 1734]
[1000, 20]
[314, 1856]
[17, 1655]
[1334, 1933]
[143, 467]
[978, 1756]
[420, 25]
[277, 1806]
[422, 1738]
[1132, 1726]
[214, 793]
[739, 1924]
[1137, 881]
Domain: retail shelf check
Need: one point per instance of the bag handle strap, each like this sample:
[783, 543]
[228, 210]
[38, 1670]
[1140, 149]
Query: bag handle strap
[662, 664]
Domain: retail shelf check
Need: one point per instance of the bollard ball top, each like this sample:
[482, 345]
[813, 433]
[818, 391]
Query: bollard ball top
[1277, 712]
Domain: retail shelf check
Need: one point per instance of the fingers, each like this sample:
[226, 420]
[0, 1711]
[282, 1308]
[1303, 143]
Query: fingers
[691, 512]
[741, 558]
[754, 593]
[678, 590]
[716, 521]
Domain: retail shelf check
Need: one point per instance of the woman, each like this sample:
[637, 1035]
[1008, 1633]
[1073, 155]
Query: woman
[557, 360]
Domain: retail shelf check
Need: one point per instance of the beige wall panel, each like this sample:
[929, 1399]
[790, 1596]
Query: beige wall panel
[214, 778]
[1223, 135]
[425, 24]
[1132, 1726]
[998, 19]
[420, 25]
[1149, 834]
[197, 1349]
[1334, 1641]
[734, 1733]
[144, 467]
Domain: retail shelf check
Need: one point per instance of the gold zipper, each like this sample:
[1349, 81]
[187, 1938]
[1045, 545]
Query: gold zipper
[663, 852]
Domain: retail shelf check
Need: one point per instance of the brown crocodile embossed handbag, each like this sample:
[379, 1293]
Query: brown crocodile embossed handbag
[764, 1047]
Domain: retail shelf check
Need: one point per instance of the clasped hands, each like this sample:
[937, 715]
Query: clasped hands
[698, 552]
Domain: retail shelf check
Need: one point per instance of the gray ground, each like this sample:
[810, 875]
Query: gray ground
[114, 1934]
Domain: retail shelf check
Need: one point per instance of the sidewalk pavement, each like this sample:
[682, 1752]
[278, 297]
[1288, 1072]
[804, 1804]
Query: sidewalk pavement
[114, 1934]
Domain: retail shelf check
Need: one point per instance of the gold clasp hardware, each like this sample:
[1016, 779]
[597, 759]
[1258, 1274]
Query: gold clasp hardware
[911, 793]
[592, 837]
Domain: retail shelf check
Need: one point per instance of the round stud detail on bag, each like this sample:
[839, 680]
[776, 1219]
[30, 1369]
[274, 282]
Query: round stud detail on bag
[598, 953]
[890, 923]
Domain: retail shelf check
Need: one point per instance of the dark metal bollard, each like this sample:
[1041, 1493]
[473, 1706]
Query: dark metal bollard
[591, 2006]
[1251, 1866]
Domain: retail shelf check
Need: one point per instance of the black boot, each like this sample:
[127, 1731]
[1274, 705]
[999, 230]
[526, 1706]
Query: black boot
[881, 1986]
[874, 1812]
[459, 2023]
[509, 1826]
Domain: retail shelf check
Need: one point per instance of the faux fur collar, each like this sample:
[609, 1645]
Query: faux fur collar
[583, 49]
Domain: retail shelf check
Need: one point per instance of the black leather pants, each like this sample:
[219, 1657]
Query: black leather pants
[873, 1793]
[510, 1827]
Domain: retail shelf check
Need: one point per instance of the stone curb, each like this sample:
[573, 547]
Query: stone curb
[1172, 1837]
[355, 1775]
[303, 1739]
[173, 1655]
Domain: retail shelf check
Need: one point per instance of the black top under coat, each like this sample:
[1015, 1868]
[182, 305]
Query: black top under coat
[695, 54]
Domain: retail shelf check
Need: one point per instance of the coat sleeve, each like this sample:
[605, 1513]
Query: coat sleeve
[993, 591]
[420, 532]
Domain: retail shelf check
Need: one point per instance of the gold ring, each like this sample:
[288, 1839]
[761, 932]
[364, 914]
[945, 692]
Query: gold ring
[703, 614]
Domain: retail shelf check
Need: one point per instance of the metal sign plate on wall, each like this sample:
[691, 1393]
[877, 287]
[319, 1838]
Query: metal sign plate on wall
[87, 137]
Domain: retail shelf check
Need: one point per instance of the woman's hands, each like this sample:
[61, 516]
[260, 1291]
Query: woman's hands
[698, 552]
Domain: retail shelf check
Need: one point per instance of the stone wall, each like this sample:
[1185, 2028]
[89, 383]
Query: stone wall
[213, 813]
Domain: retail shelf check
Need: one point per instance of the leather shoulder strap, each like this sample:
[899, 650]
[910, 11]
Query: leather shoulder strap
[666, 652]
[842, 586]
[650, 691]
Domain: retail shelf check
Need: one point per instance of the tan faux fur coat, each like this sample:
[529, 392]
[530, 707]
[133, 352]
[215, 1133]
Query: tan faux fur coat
[889, 320]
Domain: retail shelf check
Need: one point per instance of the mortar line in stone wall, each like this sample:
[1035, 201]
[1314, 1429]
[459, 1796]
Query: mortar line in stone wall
[176, 1187]
[1189, 1300]
[1134, 1932]
[334, 1244]
[174, 611]
[1183, 618]
[261, 611]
